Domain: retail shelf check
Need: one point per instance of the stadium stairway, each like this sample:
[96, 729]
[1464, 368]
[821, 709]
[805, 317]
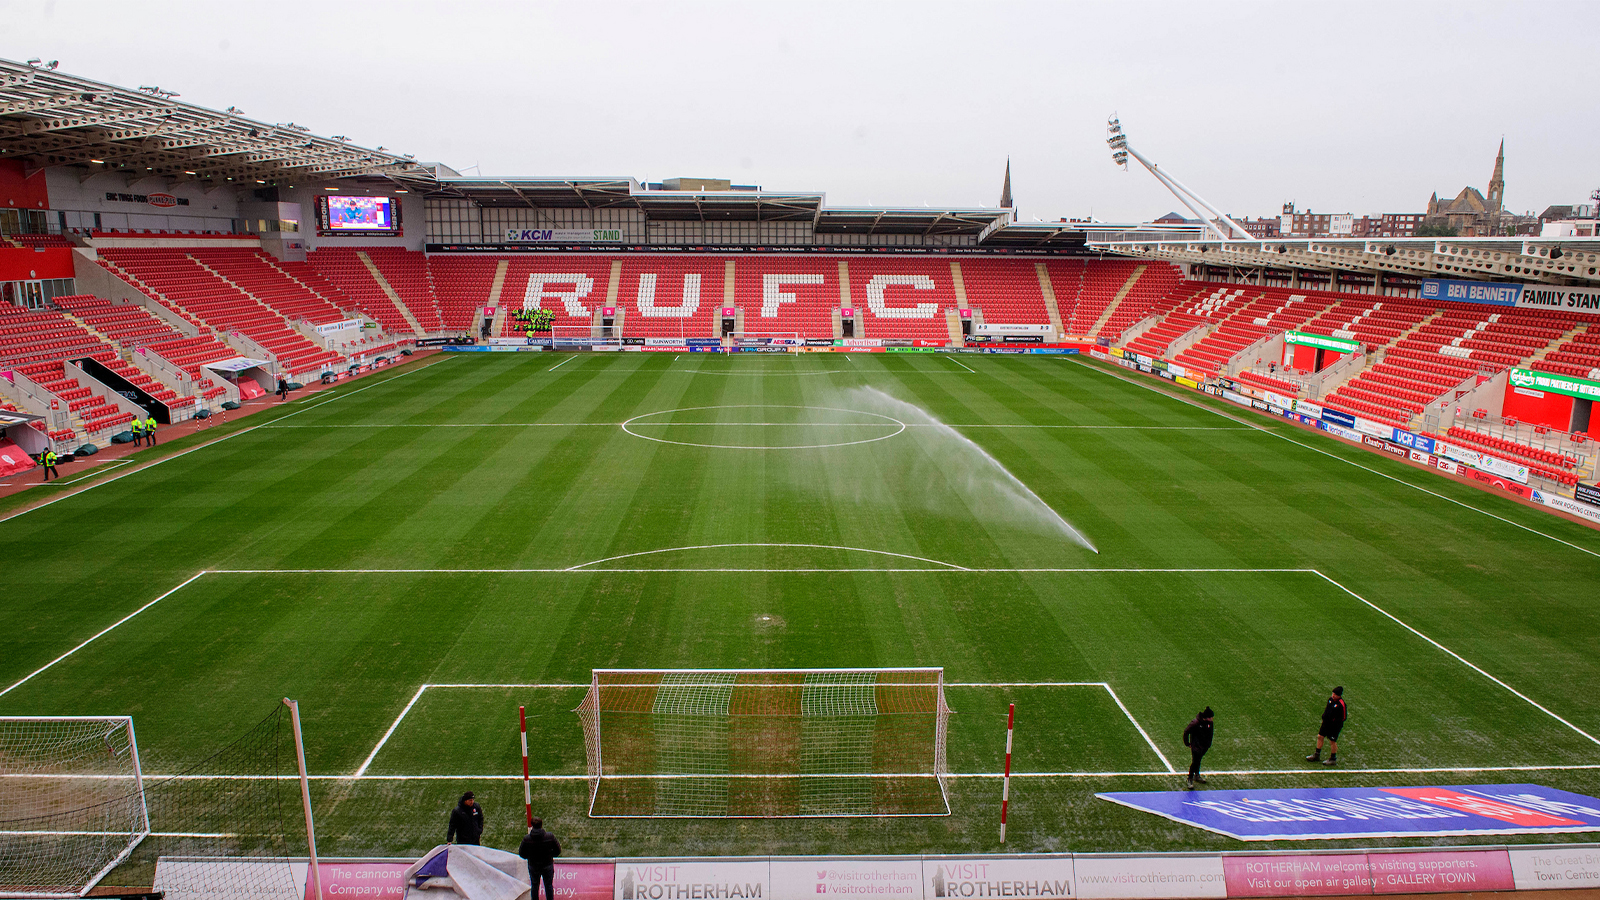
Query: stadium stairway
[404, 275]
[347, 272]
[138, 333]
[1577, 354]
[36, 344]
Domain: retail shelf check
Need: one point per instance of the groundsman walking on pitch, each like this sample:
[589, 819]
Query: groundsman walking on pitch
[1334, 712]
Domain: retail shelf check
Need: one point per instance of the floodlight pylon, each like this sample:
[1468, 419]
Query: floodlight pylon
[1121, 150]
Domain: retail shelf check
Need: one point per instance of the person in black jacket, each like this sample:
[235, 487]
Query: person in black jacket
[1197, 737]
[540, 848]
[466, 822]
[1334, 712]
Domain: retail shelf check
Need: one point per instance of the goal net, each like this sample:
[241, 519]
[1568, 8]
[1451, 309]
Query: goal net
[72, 802]
[766, 742]
[230, 825]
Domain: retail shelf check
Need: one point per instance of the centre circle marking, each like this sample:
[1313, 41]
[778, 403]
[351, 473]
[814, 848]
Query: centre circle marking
[887, 421]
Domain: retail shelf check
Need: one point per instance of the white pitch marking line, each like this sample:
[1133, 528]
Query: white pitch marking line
[831, 424]
[392, 726]
[952, 567]
[97, 470]
[1336, 456]
[1458, 657]
[358, 390]
[138, 469]
[1319, 771]
[961, 364]
[395, 725]
[103, 632]
[562, 686]
[607, 559]
[133, 471]
[887, 421]
[562, 363]
[1142, 733]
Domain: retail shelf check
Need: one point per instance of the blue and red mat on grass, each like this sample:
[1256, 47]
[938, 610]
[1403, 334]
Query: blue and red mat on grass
[1329, 813]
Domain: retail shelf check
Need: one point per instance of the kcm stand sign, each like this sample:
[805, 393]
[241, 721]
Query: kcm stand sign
[564, 235]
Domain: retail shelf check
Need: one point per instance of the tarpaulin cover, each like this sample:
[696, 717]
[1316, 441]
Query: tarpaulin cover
[13, 460]
[477, 873]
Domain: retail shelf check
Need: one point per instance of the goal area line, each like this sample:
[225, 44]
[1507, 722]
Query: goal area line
[361, 772]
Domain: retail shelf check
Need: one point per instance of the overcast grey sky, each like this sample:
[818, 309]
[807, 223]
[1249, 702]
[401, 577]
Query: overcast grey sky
[1341, 107]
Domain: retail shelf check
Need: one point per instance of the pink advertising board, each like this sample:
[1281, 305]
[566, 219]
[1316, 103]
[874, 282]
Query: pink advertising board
[367, 880]
[1441, 870]
[1307, 875]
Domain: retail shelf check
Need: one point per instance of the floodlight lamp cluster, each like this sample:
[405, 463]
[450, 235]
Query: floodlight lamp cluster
[1117, 141]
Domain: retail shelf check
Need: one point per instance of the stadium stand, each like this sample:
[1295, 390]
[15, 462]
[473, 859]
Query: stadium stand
[346, 273]
[1578, 356]
[1544, 463]
[37, 343]
[1007, 291]
[406, 272]
[254, 272]
[661, 296]
[464, 283]
[907, 298]
[787, 295]
[39, 240]
[183, 283]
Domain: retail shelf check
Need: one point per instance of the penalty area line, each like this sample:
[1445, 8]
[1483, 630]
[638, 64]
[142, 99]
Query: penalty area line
[103, 632]
[1142, 732]
[387, 734]
[1458, 657]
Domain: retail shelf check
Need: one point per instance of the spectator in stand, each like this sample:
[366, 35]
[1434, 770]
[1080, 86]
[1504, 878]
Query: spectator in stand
[540, 848]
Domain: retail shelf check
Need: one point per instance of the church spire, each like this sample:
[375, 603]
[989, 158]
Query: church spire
[1497, 181]
[1005, 189]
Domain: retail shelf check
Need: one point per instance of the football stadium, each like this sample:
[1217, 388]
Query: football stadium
[765, 547]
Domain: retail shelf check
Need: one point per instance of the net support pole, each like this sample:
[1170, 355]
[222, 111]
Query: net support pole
[1005, 782]
[527, 786]
[314, 876]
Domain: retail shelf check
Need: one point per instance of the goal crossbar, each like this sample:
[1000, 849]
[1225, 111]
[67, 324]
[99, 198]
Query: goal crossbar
[766, 742]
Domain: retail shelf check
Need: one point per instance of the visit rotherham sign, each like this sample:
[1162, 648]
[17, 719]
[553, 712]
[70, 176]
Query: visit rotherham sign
[1336, 813]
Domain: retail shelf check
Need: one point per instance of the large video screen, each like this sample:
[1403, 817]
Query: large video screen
[360, 215]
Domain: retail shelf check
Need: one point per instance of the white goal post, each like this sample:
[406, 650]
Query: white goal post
[765, 743]
[72, 802]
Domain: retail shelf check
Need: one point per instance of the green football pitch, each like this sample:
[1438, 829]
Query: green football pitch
[415, 555]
